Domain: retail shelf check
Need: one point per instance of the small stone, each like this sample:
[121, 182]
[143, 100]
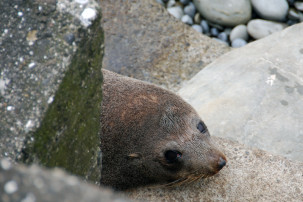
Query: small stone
[187, 19]
[293, 14]
[197, 18]
[5, 164]
[82, 1]
[184, 2]
[223, 36]
[299, 5]
[11, 187]
[198, 28]
[205, 26]
[214, 31]
[88, 15]
[237, 43]
[171, 3]
[177, 12]
[190, 10]
[271, 9]
[226, 13]
[240, 32]
[261, 28]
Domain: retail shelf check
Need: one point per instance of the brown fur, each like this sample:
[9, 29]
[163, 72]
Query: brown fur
[139, 122]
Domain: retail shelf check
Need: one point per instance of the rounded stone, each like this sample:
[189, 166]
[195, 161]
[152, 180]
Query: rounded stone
[197, 18]
[187, 19]
[237, 43]
[205, 26]
[226, 13]
[177, 12]
[190, 10]
[171, 3]
[299, 5]
[214, 31]
[184, 2]
[271, 9]
[198, 28]
[240, 32]
[261, 28]
[223, 36]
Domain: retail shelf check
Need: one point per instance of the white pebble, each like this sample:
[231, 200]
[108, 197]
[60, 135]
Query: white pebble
[82, 1]
[198, 28]
[177, 12]
[20, 14]
[11, 187]
[10, 108]
[29, 124]
[31, 65]
[87, 16]
[50, 99]
[5, 164]
[187, 19]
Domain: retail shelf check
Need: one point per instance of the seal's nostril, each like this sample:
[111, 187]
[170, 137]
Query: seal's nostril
[221, 163]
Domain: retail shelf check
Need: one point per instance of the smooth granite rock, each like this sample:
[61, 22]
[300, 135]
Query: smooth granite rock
[255, 94]
[271, 9]
[144, 41]
[227, 13]
[250, 175]
[259, 28]
[33, 183]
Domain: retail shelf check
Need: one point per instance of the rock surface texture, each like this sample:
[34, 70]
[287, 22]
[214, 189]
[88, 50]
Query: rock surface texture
[144, 41]
[250, 175]
[255, 94]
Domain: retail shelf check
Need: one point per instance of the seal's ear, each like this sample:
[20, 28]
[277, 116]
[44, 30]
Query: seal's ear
[134, 156]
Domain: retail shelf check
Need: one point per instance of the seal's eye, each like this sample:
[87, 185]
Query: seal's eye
[201, 127]
[172, 156]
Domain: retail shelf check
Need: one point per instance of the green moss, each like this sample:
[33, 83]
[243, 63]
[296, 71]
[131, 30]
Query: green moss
[69, 133]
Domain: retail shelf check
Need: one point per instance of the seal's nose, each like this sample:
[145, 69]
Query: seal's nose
[221, 163]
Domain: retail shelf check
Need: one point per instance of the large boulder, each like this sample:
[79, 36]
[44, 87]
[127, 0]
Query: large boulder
[144, 41]
[255, 94]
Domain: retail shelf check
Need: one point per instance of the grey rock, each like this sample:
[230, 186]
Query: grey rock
[223, 36]
[205, 26]
[214, 31]
[227, 31]
[261, 28]
[198, 28]
[250, 175]
[177, 12]
[238, 42]
[295, 15]
[184, 2]
[227, 13]
[271, 9]
[187, 19]
[299, 5]
[171, 3]
[190, 10]
[253, 94]
[21, 183]
[144, 41]
[240, 31]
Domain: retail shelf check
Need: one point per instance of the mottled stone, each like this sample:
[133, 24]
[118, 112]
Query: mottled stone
[271, 9]
[261, 28]
[254, 94]
[227, 13]
[144, 41]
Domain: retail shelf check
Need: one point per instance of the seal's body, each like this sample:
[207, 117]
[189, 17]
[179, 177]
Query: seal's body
[151, 136]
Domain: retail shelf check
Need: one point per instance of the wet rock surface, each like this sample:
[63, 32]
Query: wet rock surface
[144, 41]
[254, 95]
[29, 184]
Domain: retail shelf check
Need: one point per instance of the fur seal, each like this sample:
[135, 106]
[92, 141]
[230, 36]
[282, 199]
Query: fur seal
[152, 136]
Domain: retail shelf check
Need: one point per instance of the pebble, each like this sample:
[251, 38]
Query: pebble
[171, 3]
[205, 26]
[197, 18]
[223, 36]
[226, 13]
[299, 5]
[240, 32]
[87, 16]
[187, 19]
[184, 2]
[275, 10]
[214, 31]
[190, 10]
[198, 28]
[237, 43]
[261, 28]
[177, 12]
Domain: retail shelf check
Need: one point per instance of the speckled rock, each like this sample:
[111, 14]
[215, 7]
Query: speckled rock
[261, 28]
[250, 175]
[254, 94]
[144, 41]
[271, 9]
[29, 184]
[227, 13]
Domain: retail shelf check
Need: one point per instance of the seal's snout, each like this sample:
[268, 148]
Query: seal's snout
[221, 163]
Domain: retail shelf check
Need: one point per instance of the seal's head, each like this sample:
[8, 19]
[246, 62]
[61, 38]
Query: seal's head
[152, 136]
